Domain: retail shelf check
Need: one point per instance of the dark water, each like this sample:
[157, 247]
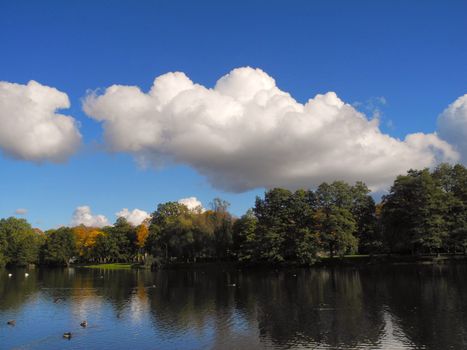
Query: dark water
[385, 307]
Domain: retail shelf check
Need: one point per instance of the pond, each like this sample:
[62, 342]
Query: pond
[370, 307]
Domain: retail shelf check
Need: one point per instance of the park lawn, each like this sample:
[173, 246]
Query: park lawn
[114, 266]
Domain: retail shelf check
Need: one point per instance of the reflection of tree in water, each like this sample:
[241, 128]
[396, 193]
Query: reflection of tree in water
[16, 290]
[319, 306]
[429, 303]
[190, 299]
[335, 307]
[75, 286]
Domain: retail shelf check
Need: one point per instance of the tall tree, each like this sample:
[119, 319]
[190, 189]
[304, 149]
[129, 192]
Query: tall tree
[20, 242]
[453, 182]
[60, 246]
[273, 213]
[285, 231]
[244, 237]
[413, 214]
[171, 232]
[364, 211]
[333, 218]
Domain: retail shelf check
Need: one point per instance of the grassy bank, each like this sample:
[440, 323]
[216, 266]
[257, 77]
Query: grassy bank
[347, 260]
[114, 266]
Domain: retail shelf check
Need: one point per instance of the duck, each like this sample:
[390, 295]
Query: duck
[11, 323]
[67, 335]
[26, 274]
[9, 275]
[84, 324]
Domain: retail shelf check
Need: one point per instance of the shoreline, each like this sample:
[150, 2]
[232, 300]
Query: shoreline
[346, 261]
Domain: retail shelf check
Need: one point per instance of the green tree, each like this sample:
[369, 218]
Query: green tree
[106, 248]
[20, 242]
[453, 182]
[171, 232]
[59, 247]
[221, 221]
[285, 229]
[333, 218]
[121, 235]
[273, 216]
[244, 237]
[364, 211]
[413, 214]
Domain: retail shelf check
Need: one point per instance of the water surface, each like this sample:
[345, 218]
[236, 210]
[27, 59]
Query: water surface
[371, 307]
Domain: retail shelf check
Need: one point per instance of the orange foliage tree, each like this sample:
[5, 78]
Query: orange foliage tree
[86, 239]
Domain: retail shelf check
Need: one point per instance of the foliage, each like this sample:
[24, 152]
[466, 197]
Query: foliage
[19, 242]
[414, 213]
[425, 212]
[59, 247]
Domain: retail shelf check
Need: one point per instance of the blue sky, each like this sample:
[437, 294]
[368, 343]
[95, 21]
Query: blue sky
[412, 53]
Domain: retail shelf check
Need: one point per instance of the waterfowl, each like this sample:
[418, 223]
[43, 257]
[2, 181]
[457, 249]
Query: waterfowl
[9, 275]
[26, 274]
[67, 335]
[232, 285]
[11, 322]
[84, 324]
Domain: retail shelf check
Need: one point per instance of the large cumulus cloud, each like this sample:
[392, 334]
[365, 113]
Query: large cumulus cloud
[452, 125]
[192, 203]
[84, 216]
[30, 127]
[134, 217]
[246, 133]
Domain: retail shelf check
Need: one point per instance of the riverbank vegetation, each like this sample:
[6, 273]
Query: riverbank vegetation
[425, 212]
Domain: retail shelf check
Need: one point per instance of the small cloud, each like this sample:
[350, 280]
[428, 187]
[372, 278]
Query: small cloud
[381, 99]
[192, 203]
[376, 114]
[21, 211]
[84, 216]
[134, 217]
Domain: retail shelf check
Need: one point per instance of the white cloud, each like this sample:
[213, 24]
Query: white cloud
[21, 211]
[134, 217]
[84, 216]
[192, 203]
[30, 128]
[452, 125]
[247, 133]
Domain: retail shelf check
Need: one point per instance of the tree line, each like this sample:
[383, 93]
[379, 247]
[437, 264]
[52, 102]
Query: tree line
[425, 212]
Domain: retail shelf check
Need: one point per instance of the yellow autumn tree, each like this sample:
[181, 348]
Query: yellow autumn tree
[86, 239]
[142, 232]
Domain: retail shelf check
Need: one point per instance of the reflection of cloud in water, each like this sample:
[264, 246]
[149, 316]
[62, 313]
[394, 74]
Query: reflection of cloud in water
[86, 302]
[139, 304]
[370, 308]
[393, 337]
